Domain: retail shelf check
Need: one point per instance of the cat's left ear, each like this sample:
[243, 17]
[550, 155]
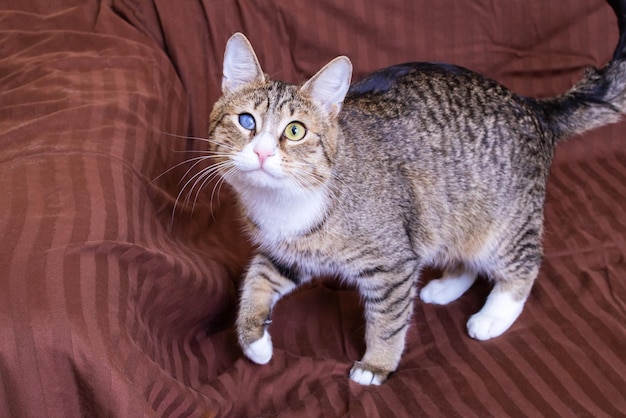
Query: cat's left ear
[241, 65]
[329, 86]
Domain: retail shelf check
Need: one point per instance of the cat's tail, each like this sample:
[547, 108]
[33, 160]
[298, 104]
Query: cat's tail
[598, 99]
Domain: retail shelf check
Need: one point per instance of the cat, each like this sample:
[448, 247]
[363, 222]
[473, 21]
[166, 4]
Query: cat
[416, 164]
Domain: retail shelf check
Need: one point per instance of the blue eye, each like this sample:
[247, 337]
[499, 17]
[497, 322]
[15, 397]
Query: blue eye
[247, 121]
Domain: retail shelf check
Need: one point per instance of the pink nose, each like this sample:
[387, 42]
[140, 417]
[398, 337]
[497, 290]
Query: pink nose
[263, 153]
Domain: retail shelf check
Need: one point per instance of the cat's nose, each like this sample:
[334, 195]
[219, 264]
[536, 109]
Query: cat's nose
[264, 146]
[263, 153]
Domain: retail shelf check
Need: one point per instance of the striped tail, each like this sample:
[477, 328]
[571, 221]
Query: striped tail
[598, 99]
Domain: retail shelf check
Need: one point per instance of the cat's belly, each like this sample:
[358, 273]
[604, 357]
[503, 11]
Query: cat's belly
[476, 249]
[316, 263]
[325, 259]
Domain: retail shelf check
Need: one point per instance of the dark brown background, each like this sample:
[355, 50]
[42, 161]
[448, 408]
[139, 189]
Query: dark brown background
[108, 310]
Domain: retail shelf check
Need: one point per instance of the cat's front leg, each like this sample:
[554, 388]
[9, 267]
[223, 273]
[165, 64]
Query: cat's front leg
[264, 284]
[388, 310]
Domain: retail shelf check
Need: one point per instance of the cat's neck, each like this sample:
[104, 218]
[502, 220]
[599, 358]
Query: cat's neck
[279, 215]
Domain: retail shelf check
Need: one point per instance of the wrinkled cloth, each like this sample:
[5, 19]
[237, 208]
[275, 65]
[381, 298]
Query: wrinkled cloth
[120, 268]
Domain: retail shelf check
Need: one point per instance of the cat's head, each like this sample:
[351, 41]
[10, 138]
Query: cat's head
[273, 135]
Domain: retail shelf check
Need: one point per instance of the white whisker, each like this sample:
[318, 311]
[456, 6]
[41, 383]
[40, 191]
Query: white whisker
[194, 138]
[218, 185]
[201, 158]
[204, 180]
[199, 177]
[193, 181]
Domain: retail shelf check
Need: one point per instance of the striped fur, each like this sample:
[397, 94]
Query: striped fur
[419, 164]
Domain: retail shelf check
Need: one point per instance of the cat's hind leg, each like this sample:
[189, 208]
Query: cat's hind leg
[505, 301]
[512, 262]
[497, 315]
[455, 281]
[264, 284]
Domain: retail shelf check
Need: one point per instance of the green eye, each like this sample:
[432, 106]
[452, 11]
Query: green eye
[295, 131]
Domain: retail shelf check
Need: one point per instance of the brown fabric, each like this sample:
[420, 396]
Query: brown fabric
[108, 307]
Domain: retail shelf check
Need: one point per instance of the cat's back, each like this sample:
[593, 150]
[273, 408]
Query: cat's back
[439, 108]
[387, 92]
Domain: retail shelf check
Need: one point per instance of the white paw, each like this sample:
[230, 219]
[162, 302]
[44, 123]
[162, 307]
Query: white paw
[438, 292]
[498, 314]
[484, 327]
[364, 377]
[260, 351]
[447, 289]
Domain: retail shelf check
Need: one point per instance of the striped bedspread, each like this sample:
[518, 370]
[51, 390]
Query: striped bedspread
[119, 275]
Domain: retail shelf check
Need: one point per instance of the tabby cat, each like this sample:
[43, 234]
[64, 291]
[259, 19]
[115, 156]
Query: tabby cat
[417, 164]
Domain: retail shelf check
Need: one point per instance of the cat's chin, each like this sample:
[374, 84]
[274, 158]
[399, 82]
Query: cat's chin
[260, 179]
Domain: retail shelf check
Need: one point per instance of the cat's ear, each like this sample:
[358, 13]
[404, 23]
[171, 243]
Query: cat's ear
[329, 86]
[241, 65]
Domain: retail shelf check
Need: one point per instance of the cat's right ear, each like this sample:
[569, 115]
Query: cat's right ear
[241, 65]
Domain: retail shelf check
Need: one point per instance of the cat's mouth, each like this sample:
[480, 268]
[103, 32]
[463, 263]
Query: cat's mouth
[262, 177]
[263, 170]
[266, 174]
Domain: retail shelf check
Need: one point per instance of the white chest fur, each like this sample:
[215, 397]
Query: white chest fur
[281, 215]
